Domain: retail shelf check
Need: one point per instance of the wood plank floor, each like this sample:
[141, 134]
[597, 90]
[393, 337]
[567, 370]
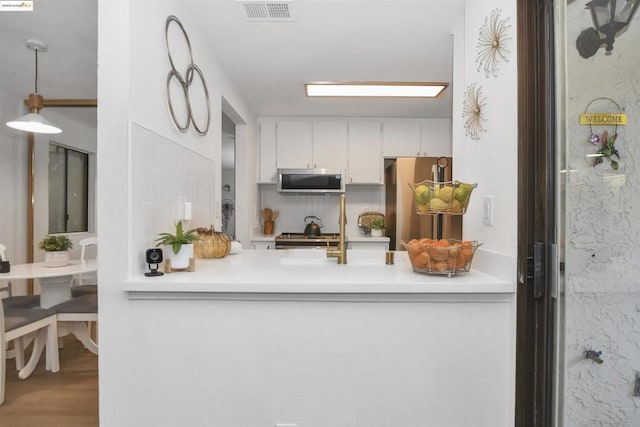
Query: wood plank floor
[68, 398]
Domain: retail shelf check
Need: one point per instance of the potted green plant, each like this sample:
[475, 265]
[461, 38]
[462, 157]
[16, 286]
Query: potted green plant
[377, 227]
[56, 248]
[181, 244]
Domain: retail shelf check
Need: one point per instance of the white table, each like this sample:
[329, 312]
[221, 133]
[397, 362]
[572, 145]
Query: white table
[55, 287]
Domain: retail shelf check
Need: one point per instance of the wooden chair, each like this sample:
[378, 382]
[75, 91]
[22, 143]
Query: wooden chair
[17, 323]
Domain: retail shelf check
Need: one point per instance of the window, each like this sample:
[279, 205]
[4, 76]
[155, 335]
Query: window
[68, 190]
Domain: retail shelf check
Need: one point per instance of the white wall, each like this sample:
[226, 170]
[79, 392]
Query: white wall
[132, 70]
[14, 172]
[491, 160]
[602, 278]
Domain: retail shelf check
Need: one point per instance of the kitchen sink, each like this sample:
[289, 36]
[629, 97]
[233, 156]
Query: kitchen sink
[319, 257]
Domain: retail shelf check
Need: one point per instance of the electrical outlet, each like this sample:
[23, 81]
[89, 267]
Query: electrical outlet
[636, 387]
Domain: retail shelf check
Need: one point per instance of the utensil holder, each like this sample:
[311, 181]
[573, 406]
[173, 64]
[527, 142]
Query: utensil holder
[5, 267]
[268, 227]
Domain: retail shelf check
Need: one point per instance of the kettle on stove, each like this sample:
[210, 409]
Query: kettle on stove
[312, 228]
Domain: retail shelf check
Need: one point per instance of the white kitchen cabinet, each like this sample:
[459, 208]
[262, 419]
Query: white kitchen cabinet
[365, 152]
[416, 138]
[294, 144]
[401, 138]
[435, 138]
[375, 245]
[262, 244]
[267, 152]
[330, 145]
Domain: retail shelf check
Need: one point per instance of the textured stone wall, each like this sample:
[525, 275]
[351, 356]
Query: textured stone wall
[602, 229]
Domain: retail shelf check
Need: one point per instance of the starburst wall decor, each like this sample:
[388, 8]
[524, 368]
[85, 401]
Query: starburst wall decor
[493, 43]
[472, 110]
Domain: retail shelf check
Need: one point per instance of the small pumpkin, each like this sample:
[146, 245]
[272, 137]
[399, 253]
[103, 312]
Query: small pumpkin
[212, 244]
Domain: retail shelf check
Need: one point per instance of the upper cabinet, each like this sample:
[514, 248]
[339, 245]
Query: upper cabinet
[267, 151]
[294, 144]
[435, 138]
[416, 138]
[365, 162]
[401, 138]
[357, 146]
[330, 145]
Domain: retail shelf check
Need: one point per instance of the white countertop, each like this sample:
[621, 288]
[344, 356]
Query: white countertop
[263, 271]
[350, 238]
[263, 237]
[363, 238]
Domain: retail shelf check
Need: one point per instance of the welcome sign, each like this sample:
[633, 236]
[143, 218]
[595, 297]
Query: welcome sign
[603, 119]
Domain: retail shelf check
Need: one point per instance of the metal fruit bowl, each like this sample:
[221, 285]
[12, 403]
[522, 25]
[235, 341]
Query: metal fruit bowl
[450, 197]
[445, 256]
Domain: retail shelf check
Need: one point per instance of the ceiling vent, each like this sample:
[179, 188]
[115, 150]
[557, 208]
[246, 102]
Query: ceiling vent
[265, 10]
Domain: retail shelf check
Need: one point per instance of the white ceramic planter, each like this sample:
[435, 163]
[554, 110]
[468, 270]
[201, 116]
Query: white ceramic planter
[181, 259]
[236, 247]
[56, 259]
[376, 233]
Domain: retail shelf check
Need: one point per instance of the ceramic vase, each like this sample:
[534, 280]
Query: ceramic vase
[376, 232]
[56, 258]
[182, 258]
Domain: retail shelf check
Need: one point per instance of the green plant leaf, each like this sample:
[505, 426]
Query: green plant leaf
[55, 243]
[178, 239]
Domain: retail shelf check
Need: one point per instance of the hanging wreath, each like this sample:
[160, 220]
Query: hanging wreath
[606, 143]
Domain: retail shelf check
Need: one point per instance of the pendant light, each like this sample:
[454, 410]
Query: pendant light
[34, 121]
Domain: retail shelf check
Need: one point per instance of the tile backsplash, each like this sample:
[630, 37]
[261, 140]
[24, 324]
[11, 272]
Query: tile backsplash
[163, 173]
[293, 208]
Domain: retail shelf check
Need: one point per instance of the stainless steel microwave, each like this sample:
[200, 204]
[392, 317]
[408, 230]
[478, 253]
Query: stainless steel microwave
[310, 181]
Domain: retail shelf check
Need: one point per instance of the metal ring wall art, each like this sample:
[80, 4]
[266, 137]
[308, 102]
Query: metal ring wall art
[185, 80]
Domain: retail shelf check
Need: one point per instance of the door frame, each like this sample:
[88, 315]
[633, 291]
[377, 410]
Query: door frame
[536, 214]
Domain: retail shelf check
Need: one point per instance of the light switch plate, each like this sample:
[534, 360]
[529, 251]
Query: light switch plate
[487, 210]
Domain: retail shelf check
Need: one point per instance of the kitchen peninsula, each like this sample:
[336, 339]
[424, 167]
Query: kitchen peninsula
[309, 271]
[266, 337]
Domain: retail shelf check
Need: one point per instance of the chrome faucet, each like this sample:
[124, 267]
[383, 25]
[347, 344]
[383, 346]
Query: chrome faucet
[341, 252]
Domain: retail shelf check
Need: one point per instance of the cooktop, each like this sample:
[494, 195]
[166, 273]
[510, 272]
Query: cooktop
[298, 236]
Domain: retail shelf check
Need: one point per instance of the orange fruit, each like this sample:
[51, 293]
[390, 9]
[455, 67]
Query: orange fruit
[439, 250]
[461, 262]
[466, 253]
[415, 249]
[421, 260]
[440, 266]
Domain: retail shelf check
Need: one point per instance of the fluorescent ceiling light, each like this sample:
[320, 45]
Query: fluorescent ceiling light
[377, 89]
